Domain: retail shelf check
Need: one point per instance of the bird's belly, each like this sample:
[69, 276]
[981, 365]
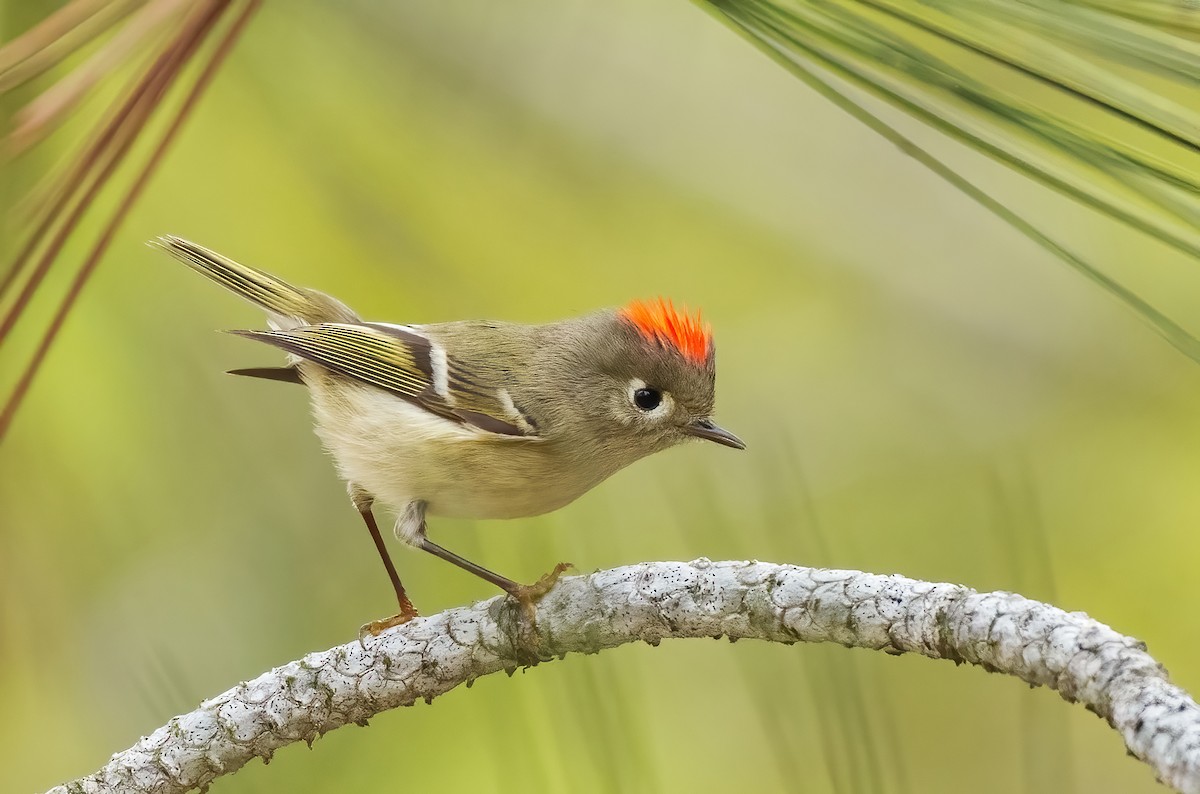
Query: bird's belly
[400, 453]
[479, 493]
[472, 479]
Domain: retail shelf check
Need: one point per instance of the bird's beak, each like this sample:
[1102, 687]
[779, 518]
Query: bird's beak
[704, 428]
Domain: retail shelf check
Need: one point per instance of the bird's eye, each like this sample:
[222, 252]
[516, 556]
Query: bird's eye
[647, 399]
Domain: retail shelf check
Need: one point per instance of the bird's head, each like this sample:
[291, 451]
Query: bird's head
[652, 378]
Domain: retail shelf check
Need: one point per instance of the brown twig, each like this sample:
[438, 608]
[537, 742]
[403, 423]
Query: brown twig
[55, 37]
[46, 112]
[86, 269]
[114, 140]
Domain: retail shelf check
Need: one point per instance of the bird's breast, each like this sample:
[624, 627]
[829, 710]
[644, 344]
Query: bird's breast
[400, 453]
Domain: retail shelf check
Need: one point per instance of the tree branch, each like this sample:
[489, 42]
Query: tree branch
[1086, 661]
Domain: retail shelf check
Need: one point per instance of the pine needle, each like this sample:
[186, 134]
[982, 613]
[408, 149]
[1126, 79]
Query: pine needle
[1097, 102]
[100, 160]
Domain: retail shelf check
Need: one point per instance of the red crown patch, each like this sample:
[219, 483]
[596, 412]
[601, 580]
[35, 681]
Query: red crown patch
[659, 321]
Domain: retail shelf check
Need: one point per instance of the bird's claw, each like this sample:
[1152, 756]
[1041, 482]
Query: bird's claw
[527, 595]
[377, 627]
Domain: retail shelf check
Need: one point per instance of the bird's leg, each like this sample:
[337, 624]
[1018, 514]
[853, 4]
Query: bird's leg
[363, 503]
[526, 594]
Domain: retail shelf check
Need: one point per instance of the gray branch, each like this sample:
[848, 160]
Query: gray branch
[1085, 661]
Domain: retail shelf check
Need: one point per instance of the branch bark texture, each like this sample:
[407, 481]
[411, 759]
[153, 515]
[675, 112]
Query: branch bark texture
[1085, 661]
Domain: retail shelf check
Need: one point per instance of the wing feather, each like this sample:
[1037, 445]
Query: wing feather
[399, 360]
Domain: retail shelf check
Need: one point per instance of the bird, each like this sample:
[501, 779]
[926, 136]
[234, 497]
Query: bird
[478, 419]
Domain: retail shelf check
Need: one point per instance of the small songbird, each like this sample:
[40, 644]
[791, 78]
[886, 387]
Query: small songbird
[479, 419]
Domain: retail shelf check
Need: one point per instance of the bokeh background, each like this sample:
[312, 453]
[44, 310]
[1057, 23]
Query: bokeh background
[922, 390]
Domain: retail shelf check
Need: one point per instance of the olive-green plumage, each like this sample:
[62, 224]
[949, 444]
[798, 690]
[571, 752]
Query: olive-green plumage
[476, 419]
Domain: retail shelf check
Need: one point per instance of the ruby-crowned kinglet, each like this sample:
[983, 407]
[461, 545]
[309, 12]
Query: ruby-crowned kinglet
[479, 419]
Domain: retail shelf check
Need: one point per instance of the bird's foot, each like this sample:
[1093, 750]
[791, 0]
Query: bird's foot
[527, 595]
[377, 627]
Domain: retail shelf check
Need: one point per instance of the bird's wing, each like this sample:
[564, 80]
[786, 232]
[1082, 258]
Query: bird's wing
[404, 362]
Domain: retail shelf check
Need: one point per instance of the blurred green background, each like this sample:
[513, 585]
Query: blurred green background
[922, 391]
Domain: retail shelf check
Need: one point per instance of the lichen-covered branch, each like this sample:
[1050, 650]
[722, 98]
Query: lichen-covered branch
[1085, 661]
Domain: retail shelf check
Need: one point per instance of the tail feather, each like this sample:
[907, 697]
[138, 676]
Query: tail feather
[283, 374]
[286, 305]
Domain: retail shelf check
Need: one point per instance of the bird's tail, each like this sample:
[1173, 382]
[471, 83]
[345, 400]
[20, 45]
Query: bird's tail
[286, 306]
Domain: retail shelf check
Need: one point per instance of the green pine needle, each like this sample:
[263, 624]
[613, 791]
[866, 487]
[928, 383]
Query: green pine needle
[1096, 100]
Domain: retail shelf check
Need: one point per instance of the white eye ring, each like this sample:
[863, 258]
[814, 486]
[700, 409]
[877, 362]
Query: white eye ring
[664, 406]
